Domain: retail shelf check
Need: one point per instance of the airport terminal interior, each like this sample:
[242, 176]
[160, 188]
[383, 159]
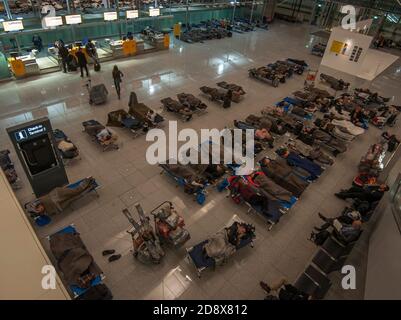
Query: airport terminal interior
[78, 190]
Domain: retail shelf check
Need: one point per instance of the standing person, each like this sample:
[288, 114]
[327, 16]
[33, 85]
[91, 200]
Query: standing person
[227, 99]
[63, 55]
[82, 62]
[117, 75]
[91, 50]
[37, 42]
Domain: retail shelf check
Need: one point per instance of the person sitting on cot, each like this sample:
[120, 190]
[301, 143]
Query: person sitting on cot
[151, 116]
[105, 136]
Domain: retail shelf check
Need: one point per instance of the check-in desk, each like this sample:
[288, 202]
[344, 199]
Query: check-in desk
[24, 66]
[121, 48]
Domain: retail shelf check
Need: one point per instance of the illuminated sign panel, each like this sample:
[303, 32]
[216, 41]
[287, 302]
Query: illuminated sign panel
[15, 25]
[73, 19]
[53, 21]
[154, 12]
[132, 14]
[110, 16]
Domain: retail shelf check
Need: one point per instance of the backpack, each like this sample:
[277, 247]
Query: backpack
[320, 237]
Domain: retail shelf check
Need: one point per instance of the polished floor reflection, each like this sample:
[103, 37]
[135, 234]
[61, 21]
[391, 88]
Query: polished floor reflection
[126, 178]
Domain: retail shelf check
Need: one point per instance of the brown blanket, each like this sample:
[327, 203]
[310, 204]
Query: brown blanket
[59, 198]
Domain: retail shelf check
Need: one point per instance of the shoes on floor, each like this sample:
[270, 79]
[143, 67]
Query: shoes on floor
[114, 257]
[108, 252]
[265, 286]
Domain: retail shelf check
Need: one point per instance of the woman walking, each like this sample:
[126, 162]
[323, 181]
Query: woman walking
[117, 75]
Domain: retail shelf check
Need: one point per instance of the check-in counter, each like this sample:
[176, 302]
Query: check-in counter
[158, 42]
[120, 48]
[24, 66]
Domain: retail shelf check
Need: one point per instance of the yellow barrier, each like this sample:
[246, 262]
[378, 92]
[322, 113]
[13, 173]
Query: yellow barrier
[177, 30]
[17, 67]
[166, 41]
[129, 47]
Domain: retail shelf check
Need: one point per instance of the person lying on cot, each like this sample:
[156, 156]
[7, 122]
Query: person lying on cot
[59, 198]
[193, 182]
[225, 242]
[294, 159]
[272, 190]
[284, 175]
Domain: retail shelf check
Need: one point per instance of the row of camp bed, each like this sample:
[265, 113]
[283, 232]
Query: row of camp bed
[277, 72]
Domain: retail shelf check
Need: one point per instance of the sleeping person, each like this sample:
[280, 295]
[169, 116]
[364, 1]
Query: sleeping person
[294, 159]
[272, 190]
[59, 198]
[224, 243]
[284, 175]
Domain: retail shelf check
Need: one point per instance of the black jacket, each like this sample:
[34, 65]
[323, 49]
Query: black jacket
[63, 52]
[81, 58]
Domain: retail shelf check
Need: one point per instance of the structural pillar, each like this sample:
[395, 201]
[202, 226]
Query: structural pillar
[270, 9]
[7, 8]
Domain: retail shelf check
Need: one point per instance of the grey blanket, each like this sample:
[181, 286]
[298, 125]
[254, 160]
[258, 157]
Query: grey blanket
[219, 248]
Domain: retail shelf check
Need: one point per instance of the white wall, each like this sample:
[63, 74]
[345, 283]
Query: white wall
[22, 255]
[383, 279]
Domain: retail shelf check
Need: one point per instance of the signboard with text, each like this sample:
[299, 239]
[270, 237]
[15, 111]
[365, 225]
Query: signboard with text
[154, 12]
[110, 16]
[73, 19]
[132, 14]
[15, 25]
[53, 21]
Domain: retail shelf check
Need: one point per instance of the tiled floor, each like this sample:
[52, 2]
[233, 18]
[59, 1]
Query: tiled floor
[126, 178]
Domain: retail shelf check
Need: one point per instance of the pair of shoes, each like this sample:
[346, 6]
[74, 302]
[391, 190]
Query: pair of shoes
[113, 257]
[265, 286]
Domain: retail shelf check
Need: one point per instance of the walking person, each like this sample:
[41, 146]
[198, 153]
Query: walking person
[117, 75]
[82, 62]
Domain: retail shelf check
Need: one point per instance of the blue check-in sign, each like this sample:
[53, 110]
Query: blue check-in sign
[21, 135]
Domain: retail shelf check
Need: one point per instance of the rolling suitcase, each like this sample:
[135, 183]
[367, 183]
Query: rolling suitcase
[98, 94]
[96, 66]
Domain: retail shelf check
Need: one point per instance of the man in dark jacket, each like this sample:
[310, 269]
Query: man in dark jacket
[63, 55]
[367, 193]
[82, 62]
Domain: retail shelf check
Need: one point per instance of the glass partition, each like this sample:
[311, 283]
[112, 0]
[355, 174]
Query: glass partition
[36, 42]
